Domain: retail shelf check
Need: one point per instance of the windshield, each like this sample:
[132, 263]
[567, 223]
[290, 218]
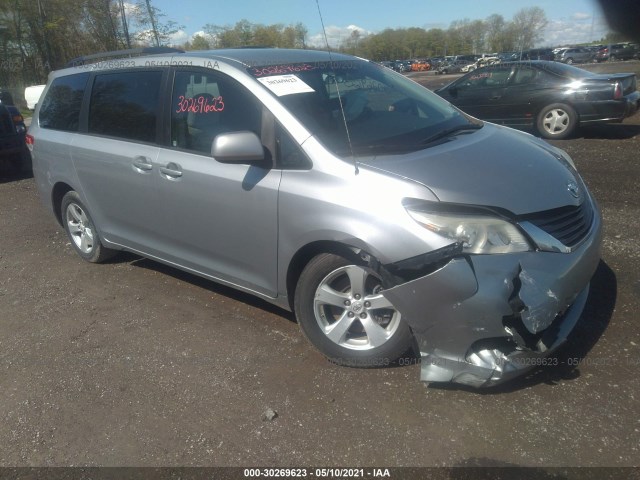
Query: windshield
[383, 111]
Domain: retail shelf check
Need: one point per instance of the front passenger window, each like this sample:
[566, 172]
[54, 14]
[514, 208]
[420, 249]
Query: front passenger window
[488, 78]
[207, 104]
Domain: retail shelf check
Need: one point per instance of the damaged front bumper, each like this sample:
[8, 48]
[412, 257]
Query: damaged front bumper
[483, 319]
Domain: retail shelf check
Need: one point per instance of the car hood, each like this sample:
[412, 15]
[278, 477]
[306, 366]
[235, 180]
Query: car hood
[494, 166]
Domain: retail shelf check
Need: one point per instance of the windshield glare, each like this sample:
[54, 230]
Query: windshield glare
[383, 111]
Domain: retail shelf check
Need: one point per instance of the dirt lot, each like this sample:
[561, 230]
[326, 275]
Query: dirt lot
[134, 363]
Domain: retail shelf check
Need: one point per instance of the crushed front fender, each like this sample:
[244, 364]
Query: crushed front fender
[480, 320]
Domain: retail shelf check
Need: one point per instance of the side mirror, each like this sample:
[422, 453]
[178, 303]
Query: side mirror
[237, 147]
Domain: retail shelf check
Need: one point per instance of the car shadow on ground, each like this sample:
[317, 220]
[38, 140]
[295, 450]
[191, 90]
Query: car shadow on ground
[210, 285]
[594, 321]
[609, 131]
[8, 175]
[564, 364]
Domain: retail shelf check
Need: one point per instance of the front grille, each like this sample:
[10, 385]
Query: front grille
[569, 224]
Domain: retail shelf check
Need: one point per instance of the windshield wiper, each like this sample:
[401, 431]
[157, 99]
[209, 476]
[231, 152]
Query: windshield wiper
[450, 131]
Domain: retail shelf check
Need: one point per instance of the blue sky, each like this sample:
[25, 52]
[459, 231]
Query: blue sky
[570, 21]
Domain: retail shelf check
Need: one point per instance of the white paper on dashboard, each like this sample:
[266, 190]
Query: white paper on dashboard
[285, 85]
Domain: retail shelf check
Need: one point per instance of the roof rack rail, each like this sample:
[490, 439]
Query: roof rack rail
[133, 52]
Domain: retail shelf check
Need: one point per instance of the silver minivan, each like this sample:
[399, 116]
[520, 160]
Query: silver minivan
[384, 217]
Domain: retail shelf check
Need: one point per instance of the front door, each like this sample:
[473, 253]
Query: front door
[217, 219]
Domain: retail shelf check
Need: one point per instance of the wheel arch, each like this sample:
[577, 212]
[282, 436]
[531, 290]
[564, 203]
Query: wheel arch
[59, 190]
[304, 255]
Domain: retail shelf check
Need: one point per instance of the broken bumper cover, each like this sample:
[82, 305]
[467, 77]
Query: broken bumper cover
[483, 319]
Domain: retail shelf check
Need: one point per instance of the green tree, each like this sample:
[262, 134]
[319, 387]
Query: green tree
[528, 26]
[199, 42]
[154, 29]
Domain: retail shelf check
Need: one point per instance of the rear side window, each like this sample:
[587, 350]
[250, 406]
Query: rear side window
[125, 104]
[60, 109]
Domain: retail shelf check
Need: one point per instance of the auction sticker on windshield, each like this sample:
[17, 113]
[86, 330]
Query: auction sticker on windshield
[285, 85]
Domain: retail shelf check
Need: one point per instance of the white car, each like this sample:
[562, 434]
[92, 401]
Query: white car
[32, 95]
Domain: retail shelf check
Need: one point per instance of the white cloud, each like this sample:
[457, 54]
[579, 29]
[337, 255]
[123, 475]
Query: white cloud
[207, 36]
[570, 32]
[130, 9]
[336, 35]
[178, 38]
[580, 16]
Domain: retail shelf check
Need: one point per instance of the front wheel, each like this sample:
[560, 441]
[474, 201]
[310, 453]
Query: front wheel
[82, 231]
[341, 310]
[557, 121]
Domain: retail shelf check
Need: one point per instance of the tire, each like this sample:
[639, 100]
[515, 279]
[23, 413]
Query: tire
[342, 313]
[612, 58]
[557, 121]
[569, 61]
[81, 230]
[26, 164]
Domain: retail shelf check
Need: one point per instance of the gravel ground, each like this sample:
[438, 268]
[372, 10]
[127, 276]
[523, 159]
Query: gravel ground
[135, 363]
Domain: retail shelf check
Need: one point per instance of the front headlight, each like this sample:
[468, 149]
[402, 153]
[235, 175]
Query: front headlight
[477, 234]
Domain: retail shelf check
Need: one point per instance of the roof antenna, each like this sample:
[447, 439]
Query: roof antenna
[344, 117]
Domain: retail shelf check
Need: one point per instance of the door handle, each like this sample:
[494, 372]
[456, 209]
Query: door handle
[142, 164]
[172, 170]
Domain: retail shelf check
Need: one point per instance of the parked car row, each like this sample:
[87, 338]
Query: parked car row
[568, 55]
[618, 51]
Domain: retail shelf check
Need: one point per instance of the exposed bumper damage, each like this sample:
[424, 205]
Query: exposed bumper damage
[481, 320]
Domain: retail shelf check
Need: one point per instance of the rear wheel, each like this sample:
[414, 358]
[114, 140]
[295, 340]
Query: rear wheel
[341, 310]
[557, 121]
[82, 231]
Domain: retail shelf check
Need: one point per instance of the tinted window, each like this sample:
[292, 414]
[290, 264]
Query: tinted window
[6, 98]
[207, 104]
[564, 70]
[6, 127]
[124, 104]
[60, 109]
[524, 75]
[487, 78]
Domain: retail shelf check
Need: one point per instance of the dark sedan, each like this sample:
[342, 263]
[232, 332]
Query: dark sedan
[11, 141]
[552, 97]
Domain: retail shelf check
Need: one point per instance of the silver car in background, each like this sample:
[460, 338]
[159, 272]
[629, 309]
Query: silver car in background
[384, 217]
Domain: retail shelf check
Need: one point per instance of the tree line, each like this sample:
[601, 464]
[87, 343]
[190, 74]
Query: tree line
[38, 36]
[495, 34]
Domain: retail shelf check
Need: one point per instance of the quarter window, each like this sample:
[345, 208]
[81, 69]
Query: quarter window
[124, 105]
[60, 109]
[289, 154]
[205, 105]
[524, 75]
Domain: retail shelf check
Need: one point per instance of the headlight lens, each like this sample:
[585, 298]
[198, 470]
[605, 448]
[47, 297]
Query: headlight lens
[478, 234]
